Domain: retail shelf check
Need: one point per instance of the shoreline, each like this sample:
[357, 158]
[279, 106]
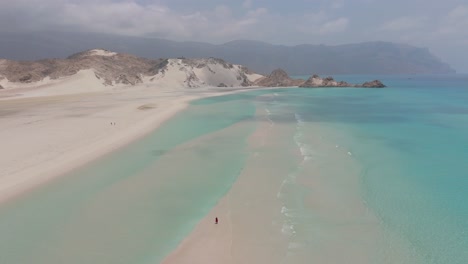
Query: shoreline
[139, 118]
[256, 225]
[27, 169]
[267, 239]
[19, 182]
[240, 236]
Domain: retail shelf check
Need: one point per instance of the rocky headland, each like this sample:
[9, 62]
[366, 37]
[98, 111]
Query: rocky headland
[278, 78]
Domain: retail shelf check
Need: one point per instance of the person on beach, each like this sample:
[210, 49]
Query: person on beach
[216, 220]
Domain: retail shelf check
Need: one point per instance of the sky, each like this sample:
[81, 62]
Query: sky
[441, 26]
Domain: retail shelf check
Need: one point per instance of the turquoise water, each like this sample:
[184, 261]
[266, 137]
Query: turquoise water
[412, 143]
[137, 204]
[381, 178]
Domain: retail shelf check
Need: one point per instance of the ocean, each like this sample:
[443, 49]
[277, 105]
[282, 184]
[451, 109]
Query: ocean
[410, 143]
[351, 176]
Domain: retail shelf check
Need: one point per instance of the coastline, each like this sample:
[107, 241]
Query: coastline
[306, 209]
[242, 234]
[245, 232]
[72, 150]
[205, 243]
[80, 125]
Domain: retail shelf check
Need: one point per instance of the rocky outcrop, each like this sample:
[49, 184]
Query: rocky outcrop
[315, 81]
[278, 78]
[373, 84]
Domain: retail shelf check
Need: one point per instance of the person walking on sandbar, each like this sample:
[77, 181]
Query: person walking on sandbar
[216, 220]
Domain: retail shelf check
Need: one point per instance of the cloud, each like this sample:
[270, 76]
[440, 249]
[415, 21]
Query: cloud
[337, 4]
[131, 17]
[223, 12]
[239, 27]
[459, 12]
[454, 23]
[334, 26]
[320, 24]
[404, 24]
[247, 4]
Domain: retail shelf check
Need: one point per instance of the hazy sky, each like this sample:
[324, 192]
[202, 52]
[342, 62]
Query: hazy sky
[442, 26]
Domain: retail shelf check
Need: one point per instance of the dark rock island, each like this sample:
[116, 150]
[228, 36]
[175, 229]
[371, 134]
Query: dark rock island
[316, 81]
[279, 78]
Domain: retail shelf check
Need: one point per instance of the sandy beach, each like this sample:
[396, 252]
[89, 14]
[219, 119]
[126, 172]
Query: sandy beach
[72, 130]
[256, 225]
[245, 233]
[302, 208]
[45, 133]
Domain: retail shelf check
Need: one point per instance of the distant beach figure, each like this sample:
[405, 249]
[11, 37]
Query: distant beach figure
[216, 220]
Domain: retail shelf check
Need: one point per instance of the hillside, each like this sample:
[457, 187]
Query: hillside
[96, 69]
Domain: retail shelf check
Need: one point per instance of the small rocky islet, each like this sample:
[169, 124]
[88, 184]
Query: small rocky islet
[279, 78]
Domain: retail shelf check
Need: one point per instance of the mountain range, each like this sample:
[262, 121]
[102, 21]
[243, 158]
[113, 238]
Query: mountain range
[261, 57]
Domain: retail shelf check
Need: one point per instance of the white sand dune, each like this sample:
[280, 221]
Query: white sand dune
[202, 73]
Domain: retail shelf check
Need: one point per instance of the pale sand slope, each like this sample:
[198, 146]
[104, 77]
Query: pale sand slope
[84, 81]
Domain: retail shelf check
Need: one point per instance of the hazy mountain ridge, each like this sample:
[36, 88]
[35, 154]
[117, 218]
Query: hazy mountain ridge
[362, 58]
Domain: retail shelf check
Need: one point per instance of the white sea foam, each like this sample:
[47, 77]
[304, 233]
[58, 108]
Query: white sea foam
[299, 119]
[290, 179]
[295, 245]
[305, 149]
[288, 229]
[268, 116]
[289, 184]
